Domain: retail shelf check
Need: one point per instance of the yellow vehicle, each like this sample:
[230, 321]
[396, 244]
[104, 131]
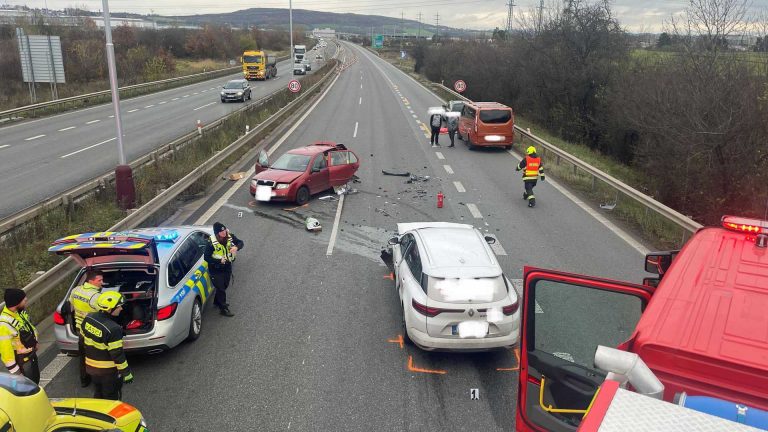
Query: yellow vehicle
[258, 65]
[24, 407]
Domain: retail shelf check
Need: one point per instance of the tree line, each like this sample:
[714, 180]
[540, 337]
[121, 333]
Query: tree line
[694, 125]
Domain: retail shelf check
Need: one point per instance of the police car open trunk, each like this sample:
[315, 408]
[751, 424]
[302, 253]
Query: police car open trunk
[129, 265]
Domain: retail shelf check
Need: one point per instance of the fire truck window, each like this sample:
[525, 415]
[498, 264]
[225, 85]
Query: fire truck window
[570, 321]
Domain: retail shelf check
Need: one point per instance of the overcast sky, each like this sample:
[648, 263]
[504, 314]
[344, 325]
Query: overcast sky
[635, 15]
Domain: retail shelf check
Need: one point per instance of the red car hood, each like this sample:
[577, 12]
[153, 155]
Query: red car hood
[278, 176]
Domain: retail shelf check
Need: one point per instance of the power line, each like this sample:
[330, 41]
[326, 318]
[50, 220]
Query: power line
[419, 36]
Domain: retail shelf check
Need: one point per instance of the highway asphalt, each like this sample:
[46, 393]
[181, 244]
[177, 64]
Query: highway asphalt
[311, 346]
[45, 157]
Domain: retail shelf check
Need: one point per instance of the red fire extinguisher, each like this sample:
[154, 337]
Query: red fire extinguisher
[440, 197]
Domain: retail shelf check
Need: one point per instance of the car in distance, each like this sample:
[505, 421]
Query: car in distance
[453, 293]
[237, 89]
[319, 57]
[300, 173]
[299, 69]
[161, 273]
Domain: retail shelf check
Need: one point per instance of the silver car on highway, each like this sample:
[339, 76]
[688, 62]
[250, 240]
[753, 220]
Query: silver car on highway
[160, 271]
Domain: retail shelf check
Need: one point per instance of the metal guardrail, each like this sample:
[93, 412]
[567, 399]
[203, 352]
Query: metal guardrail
[666, 212]
[62, 271]
[64, 198]
[14, 112]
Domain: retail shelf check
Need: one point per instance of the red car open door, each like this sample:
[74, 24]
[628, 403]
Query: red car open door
[564, 317]
[343, 164]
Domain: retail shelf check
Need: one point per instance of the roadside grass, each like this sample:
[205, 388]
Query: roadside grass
[23, 251]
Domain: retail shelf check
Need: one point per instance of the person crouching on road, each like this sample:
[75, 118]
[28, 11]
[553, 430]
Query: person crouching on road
[82, 302]
[105, 359]
[18, 337]
[533, 169]
[435, 123]
[220, 253]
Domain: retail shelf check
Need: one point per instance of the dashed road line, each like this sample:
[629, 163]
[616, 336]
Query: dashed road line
[196, 93]
[203, 91]
[175, 99]
[133, 110]
[335, 230]
[93, 121]
[459, 187]
[439, 155]
[185, 96]
[361, 86]
[415, 116]
[448, 169]
[360, 102]
[201, 107]
[354, 135]
[149, 106]
[67, 128]
[475, 211]
[162, 102]
[88, 148]
[34, 137]
[4, 146]
[112, 116]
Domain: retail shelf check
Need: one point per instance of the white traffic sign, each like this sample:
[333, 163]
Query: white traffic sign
[294, 86]
[460, 86]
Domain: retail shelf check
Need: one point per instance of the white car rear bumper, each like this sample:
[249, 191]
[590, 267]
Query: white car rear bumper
[430, 343]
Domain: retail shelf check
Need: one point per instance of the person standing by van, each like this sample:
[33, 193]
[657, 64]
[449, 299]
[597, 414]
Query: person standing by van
[435, 122]
[452, 124]
[533, 169]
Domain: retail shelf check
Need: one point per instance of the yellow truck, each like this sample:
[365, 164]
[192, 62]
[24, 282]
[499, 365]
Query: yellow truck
[258, 65]
[24, 407]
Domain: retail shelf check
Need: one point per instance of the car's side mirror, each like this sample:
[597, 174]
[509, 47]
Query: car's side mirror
[490, 240]
[659, 262]
[394, 241]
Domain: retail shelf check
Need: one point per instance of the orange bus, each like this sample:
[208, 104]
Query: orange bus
[487, 124]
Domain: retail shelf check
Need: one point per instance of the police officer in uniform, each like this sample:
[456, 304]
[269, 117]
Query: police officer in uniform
[220, 253]
[18, 337]
[105, 360]
[532, 170]
[83, 301]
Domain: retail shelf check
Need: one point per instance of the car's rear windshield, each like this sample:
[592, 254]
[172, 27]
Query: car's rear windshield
[234, 85]
[495, 116]
[251, 59]
[292, 162]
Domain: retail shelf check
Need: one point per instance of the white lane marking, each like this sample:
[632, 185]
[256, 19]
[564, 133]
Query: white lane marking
[88, 148]
[459, 187]
[417, 121]
[354, 135]
[54, 367]
[185, 96]
[93, 121]
[67, 128]
[411, 111]
[361, 101]
[162, 102]
[133, 110]
[496, 246]
[361, 86]
[195, 93]
[201, 107]
[335, 230]
[212, 88]
[415, 116]
[448, 169]
[175, 99]
[4, 146]
[439, 155]
[149, 106]
[111, 116]
[203, 91]
[475, 211]
[203, 219]
[592, 212]
[34, 137]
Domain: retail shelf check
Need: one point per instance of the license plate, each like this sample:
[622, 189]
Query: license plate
[471, 329]
[263, 193]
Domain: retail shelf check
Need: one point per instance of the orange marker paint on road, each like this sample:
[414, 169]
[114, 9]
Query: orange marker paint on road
[517, 367]
[390, 276]
[413, 368]
[398, 340]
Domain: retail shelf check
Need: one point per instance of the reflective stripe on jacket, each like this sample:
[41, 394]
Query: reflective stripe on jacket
[83, 300]
[221, 251]
[15, 328]
[103, 340]
[533, 168]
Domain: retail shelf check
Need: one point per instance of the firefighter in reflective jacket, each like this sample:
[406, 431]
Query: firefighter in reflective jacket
[220, 253]
[83, 301]
[532, 170]
[104, 357]
[18, 337]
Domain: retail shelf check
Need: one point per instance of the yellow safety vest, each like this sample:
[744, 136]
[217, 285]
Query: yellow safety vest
[220, 251]
[83, 300]
[15, 327]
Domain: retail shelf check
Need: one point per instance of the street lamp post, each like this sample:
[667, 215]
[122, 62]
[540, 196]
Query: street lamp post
[126, 191]
[290, 27]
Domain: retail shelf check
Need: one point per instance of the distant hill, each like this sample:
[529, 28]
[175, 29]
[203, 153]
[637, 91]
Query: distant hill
[346, 22]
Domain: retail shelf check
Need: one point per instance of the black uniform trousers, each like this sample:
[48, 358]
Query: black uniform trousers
[107, 385]
[84, 378]
[435, 136]
[30, 367]
[220, 279]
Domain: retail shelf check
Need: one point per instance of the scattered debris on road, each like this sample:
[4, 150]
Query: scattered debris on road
[313, 225]
[397, 174]
[237, 176]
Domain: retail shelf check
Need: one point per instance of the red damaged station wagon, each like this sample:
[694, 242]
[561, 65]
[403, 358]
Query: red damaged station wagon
[300, 173]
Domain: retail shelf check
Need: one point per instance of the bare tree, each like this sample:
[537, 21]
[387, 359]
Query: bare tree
[706, 24]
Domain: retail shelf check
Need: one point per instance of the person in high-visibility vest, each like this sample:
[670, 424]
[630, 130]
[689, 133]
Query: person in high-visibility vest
[105, 359]
[532, 171]
[18, 336]
[220, 253]
[82, 301]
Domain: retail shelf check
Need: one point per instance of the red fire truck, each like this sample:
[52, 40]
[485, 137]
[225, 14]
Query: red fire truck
[701, 326]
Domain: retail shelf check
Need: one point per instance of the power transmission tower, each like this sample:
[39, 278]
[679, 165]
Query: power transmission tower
[419, 36]
[511, 5]
[402, 29]
[541, 15]
[437, 24]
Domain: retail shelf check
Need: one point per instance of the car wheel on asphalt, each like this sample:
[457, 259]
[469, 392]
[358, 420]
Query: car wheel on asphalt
[195, 321]
[470, 144]
[222, 101]
[404, 329]
[302, 195]
[509, 147]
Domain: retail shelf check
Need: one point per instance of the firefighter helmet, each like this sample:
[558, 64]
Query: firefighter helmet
[530, 150]
[109, 300]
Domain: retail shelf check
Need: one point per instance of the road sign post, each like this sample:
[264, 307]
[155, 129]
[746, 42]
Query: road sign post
[294, 86]
[460, 86]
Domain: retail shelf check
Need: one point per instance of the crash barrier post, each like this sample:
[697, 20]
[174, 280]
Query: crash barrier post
[663, 226]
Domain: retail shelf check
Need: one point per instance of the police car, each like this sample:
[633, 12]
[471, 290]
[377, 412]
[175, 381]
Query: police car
[161, 273]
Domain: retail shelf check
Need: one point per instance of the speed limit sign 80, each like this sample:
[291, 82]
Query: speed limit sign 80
[460, 86]
[294, 86]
